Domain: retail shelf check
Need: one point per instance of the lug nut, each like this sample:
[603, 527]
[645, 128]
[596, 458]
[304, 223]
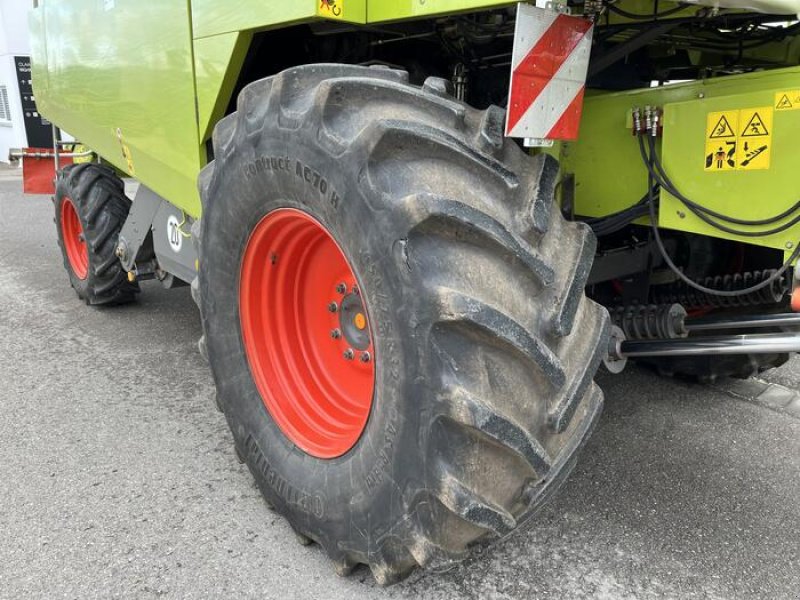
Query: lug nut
[365, 357]
[355, 290]
[333, 307]
[341, 288]
[349, 354]
[336, 334]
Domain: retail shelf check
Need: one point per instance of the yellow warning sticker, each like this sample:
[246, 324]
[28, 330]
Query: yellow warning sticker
[126, 153]
[755, 139]
[721, 140]
[331, 8]
[788, 100]
[739, 140]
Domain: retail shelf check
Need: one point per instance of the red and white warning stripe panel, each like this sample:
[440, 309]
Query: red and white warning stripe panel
[548, 74]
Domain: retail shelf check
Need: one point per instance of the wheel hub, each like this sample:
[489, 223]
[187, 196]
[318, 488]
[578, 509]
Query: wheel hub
[306, 333]
[353, 321]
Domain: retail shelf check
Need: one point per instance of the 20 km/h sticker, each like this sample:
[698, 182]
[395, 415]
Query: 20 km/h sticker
[739, 140]
[788, 100]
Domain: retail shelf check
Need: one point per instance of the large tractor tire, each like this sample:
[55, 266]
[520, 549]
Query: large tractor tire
[394, 315]
[91, 207]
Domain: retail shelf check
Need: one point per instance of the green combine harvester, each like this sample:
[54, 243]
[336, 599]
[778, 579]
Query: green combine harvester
[415, 229]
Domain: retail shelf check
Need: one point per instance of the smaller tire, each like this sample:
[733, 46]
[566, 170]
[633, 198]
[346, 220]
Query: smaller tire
[91, 208]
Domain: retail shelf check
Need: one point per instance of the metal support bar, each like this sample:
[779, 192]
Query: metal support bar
[137, 226]
[56, 157]
[767, 343]
[745, 322]
[621, 50]
[18, 153]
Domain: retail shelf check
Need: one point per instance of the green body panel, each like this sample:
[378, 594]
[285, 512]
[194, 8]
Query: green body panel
[152, 82]
[212, 17]
[218, 61]
[162, 77]
[134, 74]
[610, 176]
[394, 10]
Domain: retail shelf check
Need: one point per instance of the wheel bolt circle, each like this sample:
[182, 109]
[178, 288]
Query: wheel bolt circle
[366, 357]
[333, 307]
[336, 334]
[341, 288]
[349, 354]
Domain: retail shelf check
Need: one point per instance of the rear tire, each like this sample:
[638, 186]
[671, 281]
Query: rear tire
[91, 208]
[485, 345]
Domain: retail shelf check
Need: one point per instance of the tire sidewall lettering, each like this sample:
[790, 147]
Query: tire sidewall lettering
[286, 180]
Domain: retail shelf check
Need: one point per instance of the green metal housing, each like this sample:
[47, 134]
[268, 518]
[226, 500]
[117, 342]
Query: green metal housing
[610, 175]
[153, 83]
[146, 88]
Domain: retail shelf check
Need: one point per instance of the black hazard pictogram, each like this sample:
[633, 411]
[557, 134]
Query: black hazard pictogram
[722, 158]
[784, 103]
[755, 127]
[752, 153]
[722, 129]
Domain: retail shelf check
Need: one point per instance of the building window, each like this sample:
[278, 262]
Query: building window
[5, 108]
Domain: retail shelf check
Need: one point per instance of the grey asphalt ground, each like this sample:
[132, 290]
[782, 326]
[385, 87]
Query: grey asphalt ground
[118, 477]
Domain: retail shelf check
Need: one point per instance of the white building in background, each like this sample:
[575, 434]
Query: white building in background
[20, 123]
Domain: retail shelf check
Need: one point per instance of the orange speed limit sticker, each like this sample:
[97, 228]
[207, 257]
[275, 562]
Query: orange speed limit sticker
[331, 8]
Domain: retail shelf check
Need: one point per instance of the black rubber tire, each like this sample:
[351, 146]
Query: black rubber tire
[102, 206]
[486, 345]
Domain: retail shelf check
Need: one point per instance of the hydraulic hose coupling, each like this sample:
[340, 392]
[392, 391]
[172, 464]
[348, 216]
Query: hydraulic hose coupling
[658, 120]
[638, 127]
[649, 121]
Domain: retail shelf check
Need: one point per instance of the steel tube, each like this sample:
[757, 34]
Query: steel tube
[744, 322]
[765, 343]
[18, 154]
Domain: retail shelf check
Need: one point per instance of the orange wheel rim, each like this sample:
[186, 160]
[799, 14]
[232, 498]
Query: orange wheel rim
[74, 240]
[306, 333]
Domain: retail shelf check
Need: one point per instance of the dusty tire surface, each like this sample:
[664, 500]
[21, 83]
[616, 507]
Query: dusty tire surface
[485, 345]
[98, 196]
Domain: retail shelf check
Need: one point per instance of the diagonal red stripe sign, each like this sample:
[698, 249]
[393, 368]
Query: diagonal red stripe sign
[567, 125]
[542, 63]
